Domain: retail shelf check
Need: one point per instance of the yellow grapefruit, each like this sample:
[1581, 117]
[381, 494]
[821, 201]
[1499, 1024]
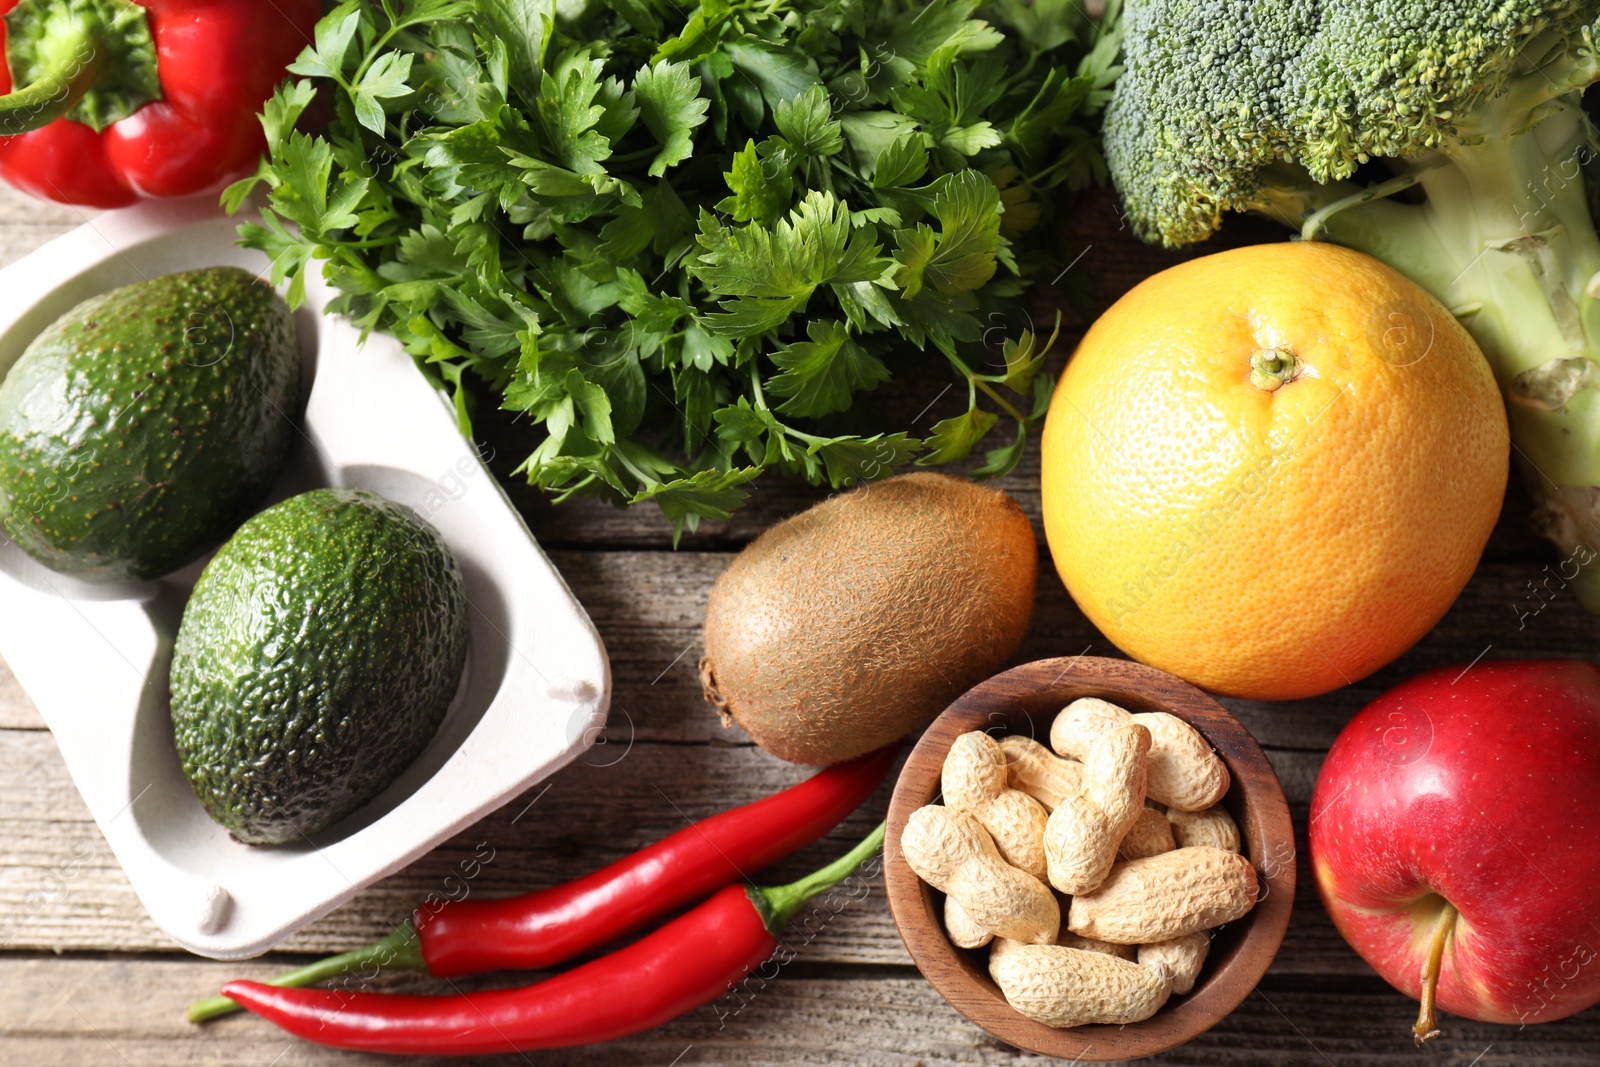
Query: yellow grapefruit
[1270, 471]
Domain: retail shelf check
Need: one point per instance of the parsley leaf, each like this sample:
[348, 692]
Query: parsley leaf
[962, 256]
[385, 79]
[569, 112]
[822, 375]
[807, 123]
[670, 101]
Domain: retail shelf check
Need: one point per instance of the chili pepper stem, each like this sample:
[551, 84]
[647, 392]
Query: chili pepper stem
[779, 904]
[399, 950]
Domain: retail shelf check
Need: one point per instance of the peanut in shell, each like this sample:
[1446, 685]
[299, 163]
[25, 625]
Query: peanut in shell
[1214, 827]
[1066, 987]
[959, 927]
[974, 780]
[951, 851]
[1082, 835]
[1150, 835]
[1183, 956]
[1184, 772]
[1040, 773]
[1162, 897]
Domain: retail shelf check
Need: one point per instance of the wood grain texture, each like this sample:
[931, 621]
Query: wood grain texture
[88, 1012]
[26, 223]
[1026, 700]
[61, 888]
[648, 607]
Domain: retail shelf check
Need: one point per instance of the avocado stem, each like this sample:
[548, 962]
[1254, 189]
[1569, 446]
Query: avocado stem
[1427, 1027]
[398, 951]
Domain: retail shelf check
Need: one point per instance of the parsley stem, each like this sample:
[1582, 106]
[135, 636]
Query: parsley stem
[1067, 159]
[1000, 400]
[977, 380]
[370, 242]
[809, 439]
[755, 386]
[634, 157]
[372, 53]
[1027, 68]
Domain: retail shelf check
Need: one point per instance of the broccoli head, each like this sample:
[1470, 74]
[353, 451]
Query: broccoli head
[1218, 94]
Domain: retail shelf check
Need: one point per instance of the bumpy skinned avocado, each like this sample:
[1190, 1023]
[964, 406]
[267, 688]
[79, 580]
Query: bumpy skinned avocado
[316, 658]
[139, 429]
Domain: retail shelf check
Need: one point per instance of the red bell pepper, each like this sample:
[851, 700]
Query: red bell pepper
[119, 100]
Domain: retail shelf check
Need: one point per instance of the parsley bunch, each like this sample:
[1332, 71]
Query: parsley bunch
[684, 240]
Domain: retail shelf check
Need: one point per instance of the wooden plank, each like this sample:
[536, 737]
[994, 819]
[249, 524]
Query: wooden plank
[88, 1012]
[26, 223]
[61, 888]
[649, 606]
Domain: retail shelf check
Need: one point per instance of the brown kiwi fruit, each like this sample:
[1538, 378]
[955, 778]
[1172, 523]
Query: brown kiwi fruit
[849, 625]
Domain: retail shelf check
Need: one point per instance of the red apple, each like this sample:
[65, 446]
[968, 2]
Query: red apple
[1455, 839]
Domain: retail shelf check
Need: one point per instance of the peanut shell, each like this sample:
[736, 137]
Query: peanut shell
[1150, 835]
[964, 933]
[1184, 772]
[1068, 939]
[1065, 987]
[1183, 957]
[974, 780]
[1038, 772]
[1082, 834]
[1166, 896]
[1213, 827]
[951, 851]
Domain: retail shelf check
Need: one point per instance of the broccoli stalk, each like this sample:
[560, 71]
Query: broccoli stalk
[1494, 138]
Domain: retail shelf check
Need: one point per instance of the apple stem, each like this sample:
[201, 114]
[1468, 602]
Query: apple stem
[1427, 1027]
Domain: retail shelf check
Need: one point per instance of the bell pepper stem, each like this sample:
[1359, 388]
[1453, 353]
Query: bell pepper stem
[1427, 1027]
[91, 61]
[76, 58]
[400, 950]
[779, 904]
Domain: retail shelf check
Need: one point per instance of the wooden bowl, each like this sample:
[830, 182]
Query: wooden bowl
[1025, 699]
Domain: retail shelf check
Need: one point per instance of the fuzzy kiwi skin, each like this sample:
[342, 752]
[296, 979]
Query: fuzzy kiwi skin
[847, 626]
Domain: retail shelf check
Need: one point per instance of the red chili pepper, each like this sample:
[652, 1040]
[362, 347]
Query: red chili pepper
[120, 100]
[547, 927]
[688, 962]
[550, 926]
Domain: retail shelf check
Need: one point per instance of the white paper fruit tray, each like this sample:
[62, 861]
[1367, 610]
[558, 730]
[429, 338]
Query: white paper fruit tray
[94, 659]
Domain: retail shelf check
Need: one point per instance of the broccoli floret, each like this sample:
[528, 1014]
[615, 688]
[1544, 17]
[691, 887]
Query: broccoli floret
[1270, 106]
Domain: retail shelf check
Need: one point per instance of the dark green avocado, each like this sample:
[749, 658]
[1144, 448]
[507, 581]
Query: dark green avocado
[139, 429]
[316, 658]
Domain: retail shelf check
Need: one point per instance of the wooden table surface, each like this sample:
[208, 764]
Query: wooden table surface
[86, 977]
